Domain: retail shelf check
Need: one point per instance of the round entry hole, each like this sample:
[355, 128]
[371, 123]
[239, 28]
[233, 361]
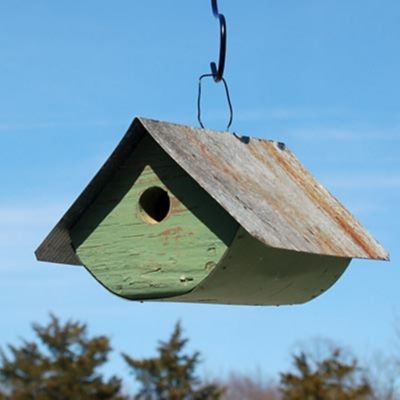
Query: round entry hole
[154, 205]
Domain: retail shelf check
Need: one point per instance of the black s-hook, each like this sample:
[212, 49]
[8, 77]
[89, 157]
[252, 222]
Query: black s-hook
[218, 73]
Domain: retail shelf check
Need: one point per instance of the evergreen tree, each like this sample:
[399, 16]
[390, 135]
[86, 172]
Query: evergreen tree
[331, 378]
[62, 365]
[171, 375]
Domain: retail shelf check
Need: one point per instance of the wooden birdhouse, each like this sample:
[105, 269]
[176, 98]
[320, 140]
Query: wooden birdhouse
[184, 214]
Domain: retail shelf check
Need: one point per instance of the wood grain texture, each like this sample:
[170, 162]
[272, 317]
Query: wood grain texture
[251, 273]
[138, 260]
[267, 190]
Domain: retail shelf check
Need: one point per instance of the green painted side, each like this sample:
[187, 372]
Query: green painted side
[138, 260]
[254, 274]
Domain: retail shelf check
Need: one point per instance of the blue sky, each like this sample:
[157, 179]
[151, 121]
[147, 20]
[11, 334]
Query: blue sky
[323, 77]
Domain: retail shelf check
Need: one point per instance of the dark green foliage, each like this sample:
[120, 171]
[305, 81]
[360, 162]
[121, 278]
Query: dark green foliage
[171, 375]
[63, 365]
[332, 378]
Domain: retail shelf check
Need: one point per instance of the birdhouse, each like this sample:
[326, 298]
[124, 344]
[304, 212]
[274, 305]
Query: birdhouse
[192, 215]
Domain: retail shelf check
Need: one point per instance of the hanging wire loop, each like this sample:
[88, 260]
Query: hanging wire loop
[218, 73]
[228, 98]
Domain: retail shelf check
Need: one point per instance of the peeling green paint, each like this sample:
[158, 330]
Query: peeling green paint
[255, 274]
[138, 260]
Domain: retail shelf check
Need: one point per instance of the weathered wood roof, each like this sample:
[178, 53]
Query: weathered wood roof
[260, 183]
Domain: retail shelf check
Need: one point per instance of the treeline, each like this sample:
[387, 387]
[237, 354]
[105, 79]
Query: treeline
[65, 363]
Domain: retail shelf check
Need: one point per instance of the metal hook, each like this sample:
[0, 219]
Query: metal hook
[218, 73]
